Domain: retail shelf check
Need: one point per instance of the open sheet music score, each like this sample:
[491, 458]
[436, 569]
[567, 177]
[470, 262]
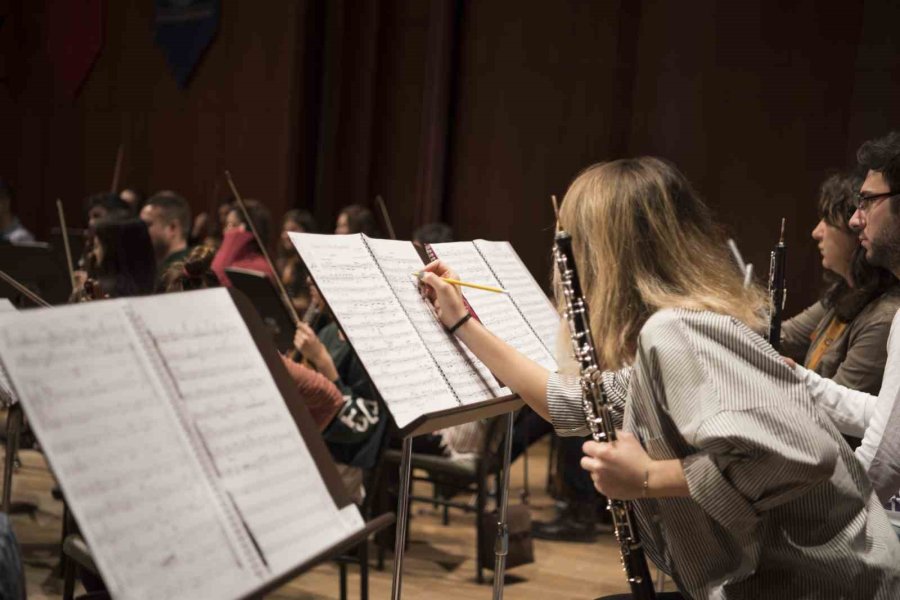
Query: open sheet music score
[174, 447]
[417, 367]
[8, 312]
[524, 318]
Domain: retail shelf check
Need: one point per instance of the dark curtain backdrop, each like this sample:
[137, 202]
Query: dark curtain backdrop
[468, 112]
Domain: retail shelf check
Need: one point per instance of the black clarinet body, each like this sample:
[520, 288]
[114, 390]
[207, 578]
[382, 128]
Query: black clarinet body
[597, 414]
[777, 290]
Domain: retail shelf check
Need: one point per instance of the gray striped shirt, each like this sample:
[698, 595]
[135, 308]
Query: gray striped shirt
[779, 507]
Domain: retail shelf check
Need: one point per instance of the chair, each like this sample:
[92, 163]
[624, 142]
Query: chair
[471, 477]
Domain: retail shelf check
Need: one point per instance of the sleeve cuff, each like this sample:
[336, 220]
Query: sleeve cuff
[711, 490]
[564, 404]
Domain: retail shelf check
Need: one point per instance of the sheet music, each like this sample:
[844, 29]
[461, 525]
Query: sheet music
[469, 378]
[8, 314]
[375, 324]
[241, 419]
[525, 292]
[496, 311]
[117, 447]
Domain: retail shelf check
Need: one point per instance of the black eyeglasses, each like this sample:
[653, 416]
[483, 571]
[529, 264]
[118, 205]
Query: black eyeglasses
[863, 203]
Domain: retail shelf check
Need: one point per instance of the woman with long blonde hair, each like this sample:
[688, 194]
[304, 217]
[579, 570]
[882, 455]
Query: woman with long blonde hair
[742, 488]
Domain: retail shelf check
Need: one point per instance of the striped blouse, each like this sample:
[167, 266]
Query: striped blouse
[778, 507]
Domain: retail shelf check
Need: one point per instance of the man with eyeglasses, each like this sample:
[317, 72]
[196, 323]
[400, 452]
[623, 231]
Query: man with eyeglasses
[874, 418]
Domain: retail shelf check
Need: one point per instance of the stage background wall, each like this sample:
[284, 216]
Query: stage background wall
[469, 112]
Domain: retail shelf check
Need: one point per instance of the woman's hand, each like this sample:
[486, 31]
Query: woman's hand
[445, 297]
[308, 344]
[618, 469]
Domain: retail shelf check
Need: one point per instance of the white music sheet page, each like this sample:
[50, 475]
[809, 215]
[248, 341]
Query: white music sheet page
[153, 522]
[496, 311]
[376, 325]
[8, 314]
[240, 417]
[468, 376]
[525, 292]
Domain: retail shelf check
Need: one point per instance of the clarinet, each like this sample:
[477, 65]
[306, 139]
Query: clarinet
[596, 411]
[777, 291]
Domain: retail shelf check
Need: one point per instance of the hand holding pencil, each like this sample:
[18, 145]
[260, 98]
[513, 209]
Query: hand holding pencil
[446, 298]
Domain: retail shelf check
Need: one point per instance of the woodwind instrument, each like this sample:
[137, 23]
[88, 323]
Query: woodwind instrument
[777, 290]
[596, 411]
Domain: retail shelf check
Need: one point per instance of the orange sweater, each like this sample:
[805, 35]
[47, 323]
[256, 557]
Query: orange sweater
[322, 397]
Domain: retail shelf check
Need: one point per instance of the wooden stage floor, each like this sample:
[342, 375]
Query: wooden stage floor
[438, 564]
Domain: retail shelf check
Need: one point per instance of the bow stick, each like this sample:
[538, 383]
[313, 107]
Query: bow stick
[24, 290]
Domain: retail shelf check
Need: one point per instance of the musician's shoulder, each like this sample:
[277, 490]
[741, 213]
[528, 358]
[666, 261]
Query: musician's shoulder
[674, 326]
[662, 327]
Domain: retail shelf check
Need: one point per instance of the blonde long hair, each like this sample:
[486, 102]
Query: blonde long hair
[643, 241]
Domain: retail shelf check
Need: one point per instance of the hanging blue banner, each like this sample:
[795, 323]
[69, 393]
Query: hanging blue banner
[184, 29]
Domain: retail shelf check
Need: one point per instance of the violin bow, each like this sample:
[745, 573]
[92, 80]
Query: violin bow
[24, 290]
[285, 297]
[117, 171]
[387, 218]
[65, 237]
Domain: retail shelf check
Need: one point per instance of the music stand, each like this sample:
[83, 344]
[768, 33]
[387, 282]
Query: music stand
[36, 266]
[262, 293]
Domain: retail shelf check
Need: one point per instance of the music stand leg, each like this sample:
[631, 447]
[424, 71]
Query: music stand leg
[502, 544]
[13, 428]
[402, 517]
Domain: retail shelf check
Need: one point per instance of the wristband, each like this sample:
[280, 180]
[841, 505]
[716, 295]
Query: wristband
[459, 323]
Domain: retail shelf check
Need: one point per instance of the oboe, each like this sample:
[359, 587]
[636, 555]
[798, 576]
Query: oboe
[596, 411]
[777, 291]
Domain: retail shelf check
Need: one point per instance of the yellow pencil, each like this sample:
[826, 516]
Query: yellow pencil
[477, 286]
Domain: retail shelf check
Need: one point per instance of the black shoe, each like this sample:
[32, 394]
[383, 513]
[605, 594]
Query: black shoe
[565, 528]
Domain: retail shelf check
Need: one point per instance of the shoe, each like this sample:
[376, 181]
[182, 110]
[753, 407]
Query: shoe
[576, 523]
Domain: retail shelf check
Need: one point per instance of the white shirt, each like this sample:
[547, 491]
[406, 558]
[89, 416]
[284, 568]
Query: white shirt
[864, 415]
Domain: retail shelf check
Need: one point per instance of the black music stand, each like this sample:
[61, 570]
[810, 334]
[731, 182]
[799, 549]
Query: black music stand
[265, 298]
[37, 267]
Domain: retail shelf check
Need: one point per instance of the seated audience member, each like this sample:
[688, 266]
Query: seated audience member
[322, 397]
[11, 230]
[290, 267]
[874, 418]
[122, 261]
[105, 206]
[239, 248]
[844, 335]
[356, 219]
[354, 437]
[168, 219]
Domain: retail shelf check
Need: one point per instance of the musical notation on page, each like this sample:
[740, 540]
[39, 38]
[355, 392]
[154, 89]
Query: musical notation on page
[524, 291]
[496, 311]
[241, 420]
[468, 376]
[131, 478]
[376, 325]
